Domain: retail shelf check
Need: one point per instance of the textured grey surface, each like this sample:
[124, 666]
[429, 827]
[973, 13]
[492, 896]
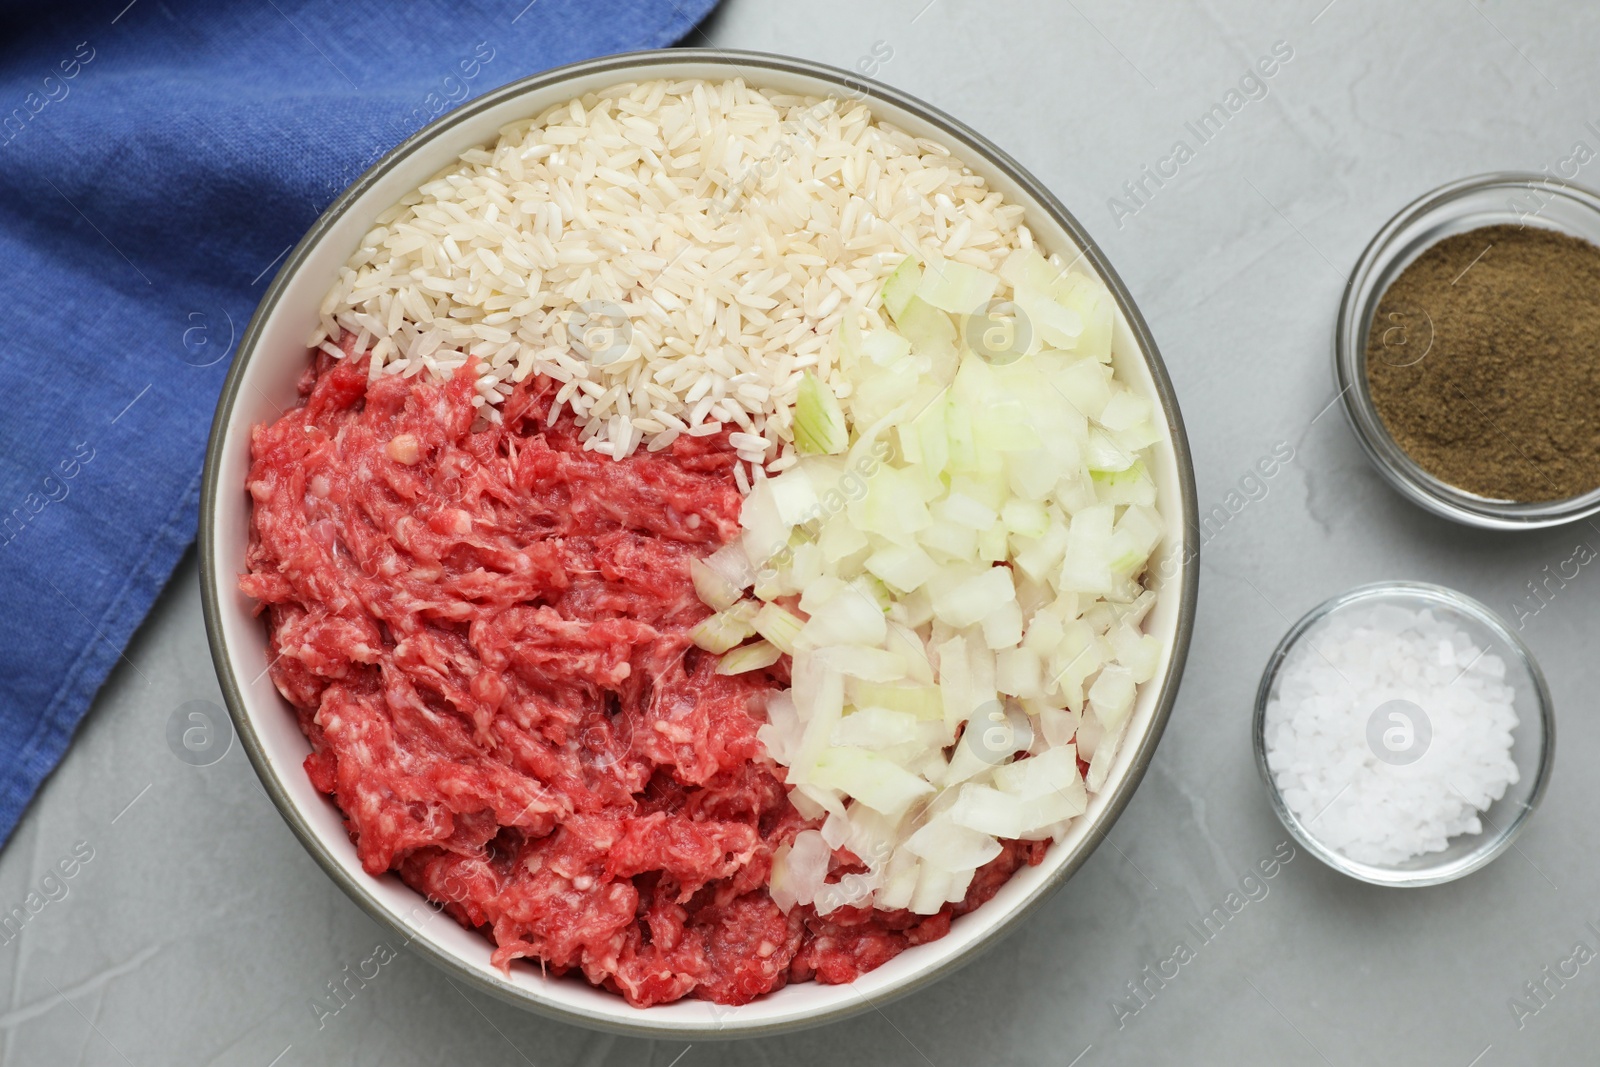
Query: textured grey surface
[200, 931]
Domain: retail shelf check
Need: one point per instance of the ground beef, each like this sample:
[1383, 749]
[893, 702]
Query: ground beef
[484, 631]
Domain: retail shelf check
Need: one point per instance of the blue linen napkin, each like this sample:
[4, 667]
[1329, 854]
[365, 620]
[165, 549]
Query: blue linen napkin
[157, 160]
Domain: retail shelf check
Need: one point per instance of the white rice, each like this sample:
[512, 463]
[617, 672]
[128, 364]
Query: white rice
[708, 237]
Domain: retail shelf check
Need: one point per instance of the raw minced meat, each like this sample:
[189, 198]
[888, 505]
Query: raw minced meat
[484, 632]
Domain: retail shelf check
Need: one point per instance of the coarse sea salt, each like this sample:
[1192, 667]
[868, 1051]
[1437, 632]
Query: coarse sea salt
[1388, 732]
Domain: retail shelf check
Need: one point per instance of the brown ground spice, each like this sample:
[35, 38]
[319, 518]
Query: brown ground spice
[1506, 401]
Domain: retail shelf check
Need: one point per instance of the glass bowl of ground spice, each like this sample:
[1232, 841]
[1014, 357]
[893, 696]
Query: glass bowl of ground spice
[1467, 351]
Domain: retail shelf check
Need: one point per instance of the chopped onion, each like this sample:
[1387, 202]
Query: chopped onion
[919, 701]
[781, 732]
[885, 348]
[859, 661]
[904, 568]
[765, 532]
[932, 891]
[725, 629]
[818, 420]
[957, 287]
[778, 626]
[841, 539]
[1056, 323]
[904, 640]
[847, 619]
[1139, 652]
[712, 588]
[879, 783]
[1106, 453]
[988, 810]
[1086, 563]
[901, 286]
[963, 510]
[933, 338]
[1027, 517]
[1086, 386]
[1019, 672]
[961, 598]
[1052, 770]
[1111, 696]
[1088, 297]
[732, 566]
[945, 845]
[799, 870]
[793, 496]
[876, 728]
[751, 657]
[1125, 410]
[970, 604]
[1129, 486]
[1002, 627]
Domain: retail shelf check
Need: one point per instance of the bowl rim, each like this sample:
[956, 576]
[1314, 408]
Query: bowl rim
[1349, 365]
[641, 64]
[1374, 874]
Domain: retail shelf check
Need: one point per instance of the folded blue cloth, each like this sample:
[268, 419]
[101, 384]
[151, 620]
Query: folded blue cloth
[157, 160]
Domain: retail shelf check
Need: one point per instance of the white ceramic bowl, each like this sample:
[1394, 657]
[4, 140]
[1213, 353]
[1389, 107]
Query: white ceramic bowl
[261, 384]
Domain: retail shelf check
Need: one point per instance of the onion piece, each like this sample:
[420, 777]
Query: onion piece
[751, 657]
[901, 286]
[819, 425]
[963, 510]
[1085, 384]
[956, 287]
[886, 348]
[858, 661]
[1111, 696]
[1056, 324]
[1089, 299]
[847, 619]
[1051, 771]
[988, 810]
[725, 629]
[713, 589]
[799, 870]
[932, 892]
[945, 845]
[732, 566]
[1131, 485]
[905, 568]
[879, 783]
[765, 532]
[966, 598]
[875, 728]
[793, 496]
[919, 701]
[1026, 517]
[1002, 627]
[778, 626]
[1086, 563]
[1125, 410]
[780, 734]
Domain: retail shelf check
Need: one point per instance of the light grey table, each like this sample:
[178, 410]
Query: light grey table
[199, 931]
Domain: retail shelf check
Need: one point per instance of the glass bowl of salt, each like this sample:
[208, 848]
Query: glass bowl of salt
[1404, 732]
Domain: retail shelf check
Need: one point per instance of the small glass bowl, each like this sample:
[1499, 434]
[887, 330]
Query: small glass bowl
[1468, 204]
[1532, 741]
